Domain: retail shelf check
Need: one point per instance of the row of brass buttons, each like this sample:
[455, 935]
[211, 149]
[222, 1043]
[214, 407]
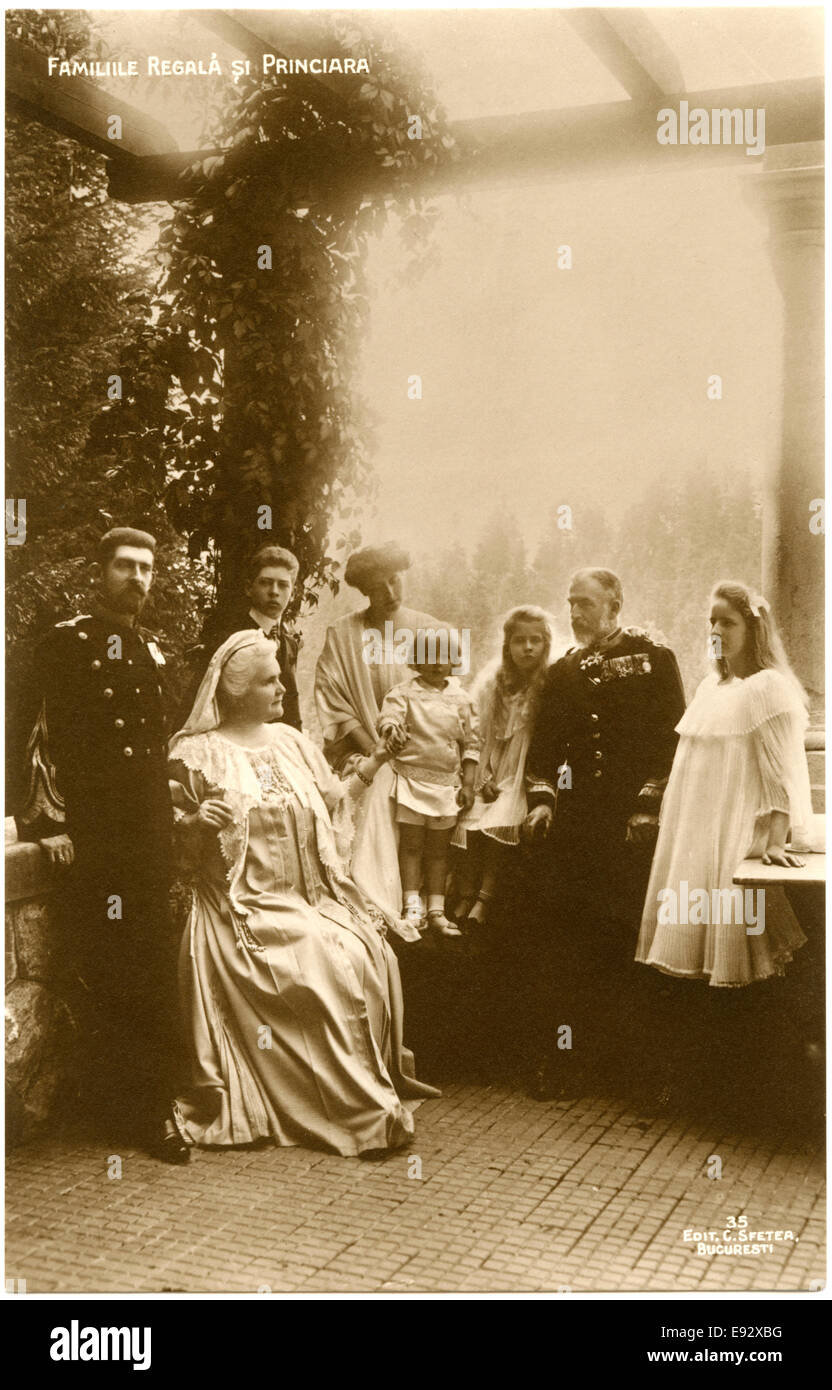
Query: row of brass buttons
[96, 664]
[594, 717]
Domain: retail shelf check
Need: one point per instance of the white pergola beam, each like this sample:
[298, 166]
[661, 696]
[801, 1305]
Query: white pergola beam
[630, 47]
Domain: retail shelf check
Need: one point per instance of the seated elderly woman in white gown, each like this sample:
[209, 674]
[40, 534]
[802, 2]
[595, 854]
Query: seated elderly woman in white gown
[291, 994]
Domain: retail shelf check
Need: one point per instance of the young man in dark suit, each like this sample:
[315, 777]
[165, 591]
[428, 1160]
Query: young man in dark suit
[270, 583]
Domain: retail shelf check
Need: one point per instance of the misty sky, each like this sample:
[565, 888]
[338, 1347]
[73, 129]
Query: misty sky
[540, 382]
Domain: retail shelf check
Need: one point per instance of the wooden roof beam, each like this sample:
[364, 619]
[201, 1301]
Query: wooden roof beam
[629, 47]
[588, 140]
[573, 142]
[77, 107]
[154, 178]
[255, 32]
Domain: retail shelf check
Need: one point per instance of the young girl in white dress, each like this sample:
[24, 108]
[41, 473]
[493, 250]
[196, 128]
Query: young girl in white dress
[506, 699]
[738, 788]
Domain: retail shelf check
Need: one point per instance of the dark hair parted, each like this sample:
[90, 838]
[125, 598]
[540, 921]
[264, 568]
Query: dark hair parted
[365, 567]
[123, 535]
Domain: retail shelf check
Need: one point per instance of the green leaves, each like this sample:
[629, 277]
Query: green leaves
[241, 386]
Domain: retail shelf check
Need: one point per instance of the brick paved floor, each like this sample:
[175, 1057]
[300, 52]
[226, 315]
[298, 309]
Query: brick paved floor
[513, 1196]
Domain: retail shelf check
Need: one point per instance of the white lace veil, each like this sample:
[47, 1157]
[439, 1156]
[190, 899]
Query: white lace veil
[205, 714]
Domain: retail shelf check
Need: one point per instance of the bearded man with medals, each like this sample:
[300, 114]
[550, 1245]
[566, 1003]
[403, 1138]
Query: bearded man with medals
[598, 761]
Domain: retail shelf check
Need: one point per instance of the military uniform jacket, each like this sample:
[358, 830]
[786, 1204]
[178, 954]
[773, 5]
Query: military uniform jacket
[604, 740]
[97, 756]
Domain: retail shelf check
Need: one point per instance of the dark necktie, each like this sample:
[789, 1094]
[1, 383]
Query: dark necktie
[274, 633]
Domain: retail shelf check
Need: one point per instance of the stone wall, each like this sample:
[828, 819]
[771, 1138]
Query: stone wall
[41, 1029]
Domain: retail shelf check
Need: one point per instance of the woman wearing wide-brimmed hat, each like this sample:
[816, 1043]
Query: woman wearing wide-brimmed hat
[356, 669]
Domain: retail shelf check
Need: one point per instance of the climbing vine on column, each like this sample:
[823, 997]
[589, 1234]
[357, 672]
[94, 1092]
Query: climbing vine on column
[239, 404]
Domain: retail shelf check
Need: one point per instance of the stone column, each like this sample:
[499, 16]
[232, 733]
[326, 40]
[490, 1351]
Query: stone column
[789, 188]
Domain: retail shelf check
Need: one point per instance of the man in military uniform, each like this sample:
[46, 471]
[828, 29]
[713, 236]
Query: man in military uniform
[270, 583]
[599, 758]
[98, 801]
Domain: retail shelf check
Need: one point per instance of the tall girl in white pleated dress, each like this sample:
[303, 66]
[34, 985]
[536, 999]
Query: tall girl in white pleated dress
[738, 788]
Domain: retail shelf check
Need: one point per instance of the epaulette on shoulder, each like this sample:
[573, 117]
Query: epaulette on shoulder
[73, 622]
[643, 635]
[561, 663]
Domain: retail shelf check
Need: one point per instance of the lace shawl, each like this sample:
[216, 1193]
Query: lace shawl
[301, 771]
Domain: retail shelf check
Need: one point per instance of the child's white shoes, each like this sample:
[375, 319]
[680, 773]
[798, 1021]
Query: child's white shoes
[413, 915]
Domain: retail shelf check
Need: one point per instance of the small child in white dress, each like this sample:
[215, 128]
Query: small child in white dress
[506, 700]
[738, 788]
[430, 725]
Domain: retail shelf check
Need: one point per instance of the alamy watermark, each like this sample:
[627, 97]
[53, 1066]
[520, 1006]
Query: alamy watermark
[701, 907]
[77, 1343]
[721, 126]
[420, 646]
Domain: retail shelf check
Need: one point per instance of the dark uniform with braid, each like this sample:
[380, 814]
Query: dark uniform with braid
[97, 772]
[601, 752]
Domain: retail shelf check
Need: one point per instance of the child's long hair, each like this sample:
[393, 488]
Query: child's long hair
[765, 646]
[500, 678]
[509, 679]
